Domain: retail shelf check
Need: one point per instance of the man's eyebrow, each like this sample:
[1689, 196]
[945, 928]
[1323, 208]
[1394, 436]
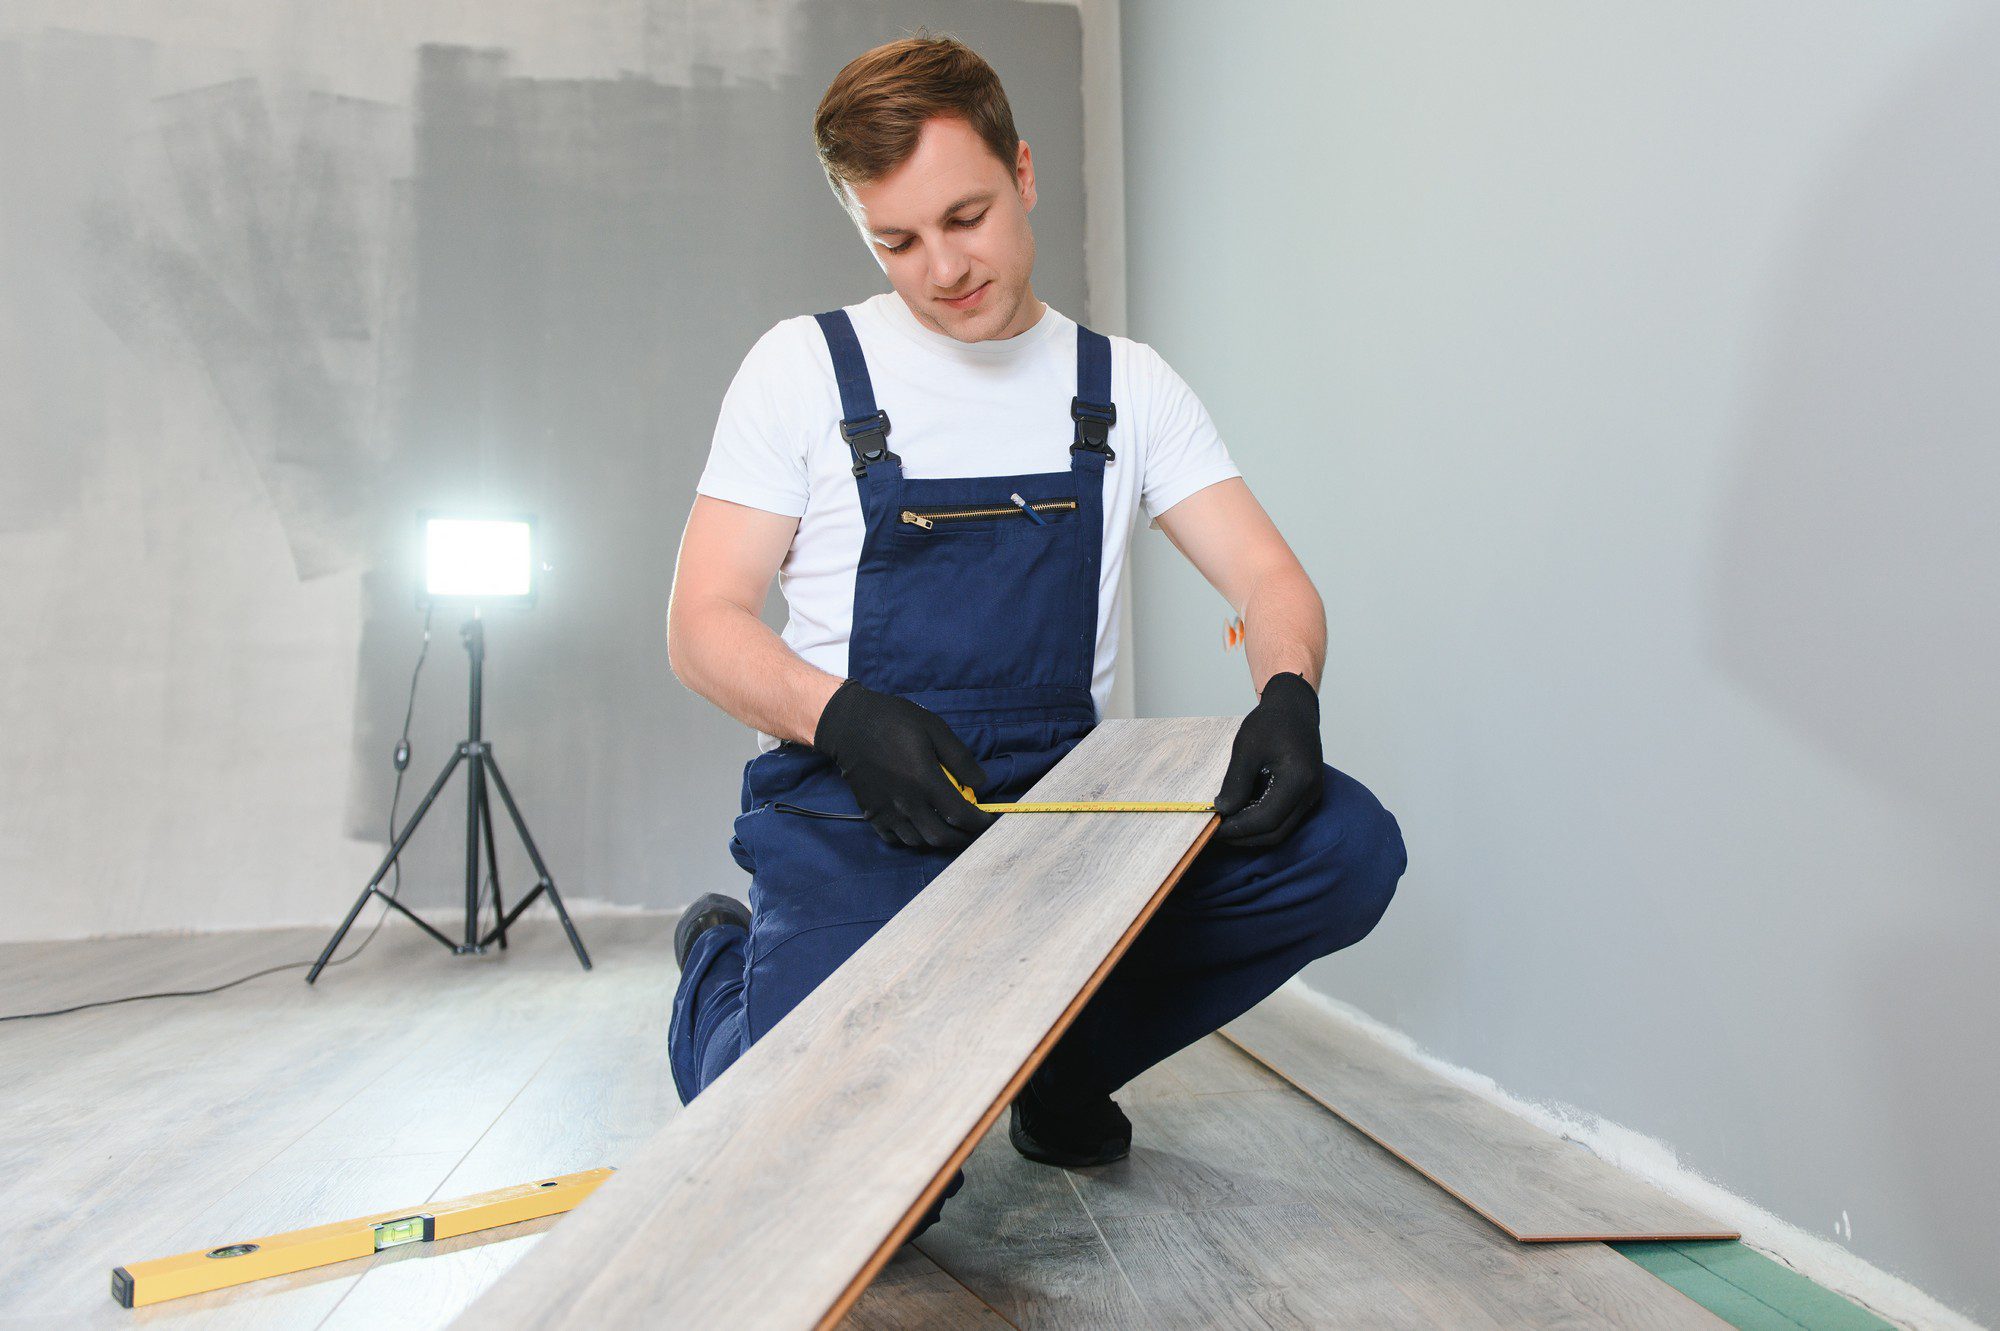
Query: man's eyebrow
[984, 196]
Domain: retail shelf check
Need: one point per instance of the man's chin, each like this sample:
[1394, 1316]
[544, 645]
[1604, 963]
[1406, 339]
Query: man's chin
[995, 311]
[983, 322]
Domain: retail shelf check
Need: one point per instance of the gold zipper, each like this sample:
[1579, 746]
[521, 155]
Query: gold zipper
[923, 518]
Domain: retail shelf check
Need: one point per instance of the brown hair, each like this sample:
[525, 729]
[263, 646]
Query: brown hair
[867, 122]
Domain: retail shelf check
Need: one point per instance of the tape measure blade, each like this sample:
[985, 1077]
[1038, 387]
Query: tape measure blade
[1104, 807]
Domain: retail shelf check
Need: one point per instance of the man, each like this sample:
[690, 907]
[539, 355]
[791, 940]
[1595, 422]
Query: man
[944, 478]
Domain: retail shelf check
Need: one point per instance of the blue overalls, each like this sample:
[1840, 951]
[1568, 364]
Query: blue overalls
[987, 615]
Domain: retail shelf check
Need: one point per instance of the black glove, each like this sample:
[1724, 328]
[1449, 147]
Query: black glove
[889, 749]
[1279, 736]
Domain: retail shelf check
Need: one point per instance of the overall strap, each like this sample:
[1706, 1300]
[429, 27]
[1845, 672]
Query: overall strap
[862, 425]
[1092, 408]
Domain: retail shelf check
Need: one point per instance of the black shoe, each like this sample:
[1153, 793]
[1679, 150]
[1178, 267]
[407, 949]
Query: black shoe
[704, 915]
[1096, 1135]
[936, 1212]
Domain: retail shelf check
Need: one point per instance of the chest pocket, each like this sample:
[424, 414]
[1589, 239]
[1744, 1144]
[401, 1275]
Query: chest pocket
[975, 593]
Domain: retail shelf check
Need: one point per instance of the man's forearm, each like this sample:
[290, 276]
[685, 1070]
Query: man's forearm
[1284, 627]
[732, 658]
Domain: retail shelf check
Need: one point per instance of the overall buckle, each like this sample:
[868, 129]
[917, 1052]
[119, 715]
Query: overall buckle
[1093, 426]
[862, 428]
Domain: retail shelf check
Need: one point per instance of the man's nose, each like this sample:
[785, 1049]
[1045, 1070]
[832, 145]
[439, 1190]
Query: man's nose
[947, 266]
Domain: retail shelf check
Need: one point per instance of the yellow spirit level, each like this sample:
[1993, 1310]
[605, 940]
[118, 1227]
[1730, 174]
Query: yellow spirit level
[1086, 806]
[281, 1254]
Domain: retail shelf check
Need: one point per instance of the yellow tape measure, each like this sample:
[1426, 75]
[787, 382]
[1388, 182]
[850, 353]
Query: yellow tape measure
[1081, 806]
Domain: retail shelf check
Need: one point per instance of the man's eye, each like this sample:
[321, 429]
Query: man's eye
[967, 222]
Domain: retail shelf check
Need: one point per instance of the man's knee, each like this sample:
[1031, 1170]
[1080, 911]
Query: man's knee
[788, 970]
[1354, 853]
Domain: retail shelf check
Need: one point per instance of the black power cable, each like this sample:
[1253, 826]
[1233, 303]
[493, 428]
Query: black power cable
[402, 760]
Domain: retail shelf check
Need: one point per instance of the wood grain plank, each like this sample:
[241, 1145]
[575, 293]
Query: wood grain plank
[776, 1195]
[111, 1149]
[1255, 1267]
[602, 1095]
[152, 1128]
[1534, 1186]
[1018, 1236]
[1209, 1066]
[912, 1293]
[1261, 1204]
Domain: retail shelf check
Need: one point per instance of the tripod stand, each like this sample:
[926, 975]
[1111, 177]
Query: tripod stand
[478, 826]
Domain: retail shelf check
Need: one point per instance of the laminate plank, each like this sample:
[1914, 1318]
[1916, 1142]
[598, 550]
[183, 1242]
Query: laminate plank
[55, 972]
[912, 1293]
[1254, 1267]
[776, 1195]
[602, 1094]
[179, 1123]
[1019, 1234]
[38, 976]
[1209, 1066]
[434, 1106]
[1592, 1275]
[1293, 1216]
[1019, 1237]
[109, 1152]
[1534, 1186]
[60, 974]
[1449, 1260]
[226, 1135]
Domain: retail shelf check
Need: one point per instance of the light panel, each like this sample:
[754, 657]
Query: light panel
[478, 559]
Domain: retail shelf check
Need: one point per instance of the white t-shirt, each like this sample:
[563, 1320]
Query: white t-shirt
[992, 408]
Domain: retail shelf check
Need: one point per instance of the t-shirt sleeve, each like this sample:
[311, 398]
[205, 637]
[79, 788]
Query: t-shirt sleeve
[1183, 451]
[758, 454]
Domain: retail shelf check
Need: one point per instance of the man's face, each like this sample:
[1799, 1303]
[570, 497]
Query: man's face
[953, 221]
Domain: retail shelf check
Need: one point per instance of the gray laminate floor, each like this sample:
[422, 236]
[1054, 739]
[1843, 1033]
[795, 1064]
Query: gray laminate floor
[148, 1129]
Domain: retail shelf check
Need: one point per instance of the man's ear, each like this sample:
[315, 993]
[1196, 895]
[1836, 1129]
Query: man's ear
[1024, 177]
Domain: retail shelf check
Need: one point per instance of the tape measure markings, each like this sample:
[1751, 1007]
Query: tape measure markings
[1079, 806]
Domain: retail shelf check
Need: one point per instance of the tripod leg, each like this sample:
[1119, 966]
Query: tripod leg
[339, 934]
[520, 908]
[547, 884]
[474, 792]
[493, 867]
[395, 849]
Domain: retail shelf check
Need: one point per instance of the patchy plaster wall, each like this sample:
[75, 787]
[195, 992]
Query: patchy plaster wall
[279, 275]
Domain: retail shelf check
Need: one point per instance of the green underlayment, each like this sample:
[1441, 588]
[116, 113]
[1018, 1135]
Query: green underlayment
[1748, 1290]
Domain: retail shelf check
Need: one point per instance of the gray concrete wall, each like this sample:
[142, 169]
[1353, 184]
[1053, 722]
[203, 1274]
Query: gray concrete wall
[1625, 378]
[277, 276]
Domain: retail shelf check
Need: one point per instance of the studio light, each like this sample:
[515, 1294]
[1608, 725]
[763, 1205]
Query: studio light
[488, 561]
[471, 563]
